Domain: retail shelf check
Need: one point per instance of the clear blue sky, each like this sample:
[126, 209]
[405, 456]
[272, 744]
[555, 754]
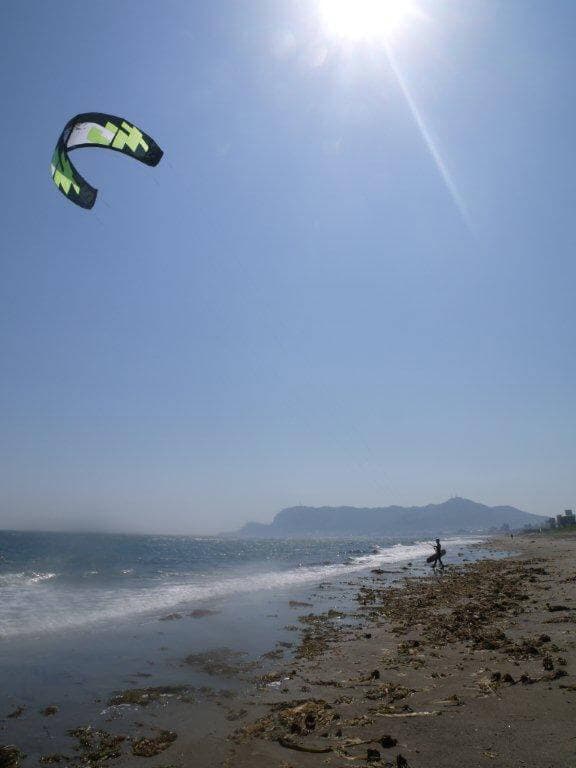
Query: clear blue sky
[291, 307]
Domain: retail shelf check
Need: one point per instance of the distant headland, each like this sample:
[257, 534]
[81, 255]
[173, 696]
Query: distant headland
[457, 515]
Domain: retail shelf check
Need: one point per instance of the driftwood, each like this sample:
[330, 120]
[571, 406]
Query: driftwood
[408, 714]
[284, 742]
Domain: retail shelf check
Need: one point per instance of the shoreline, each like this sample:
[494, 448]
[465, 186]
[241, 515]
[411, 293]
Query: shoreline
[460, 670]
[425, 668]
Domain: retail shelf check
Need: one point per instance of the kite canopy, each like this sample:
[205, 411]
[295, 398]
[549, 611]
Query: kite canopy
[95, 129]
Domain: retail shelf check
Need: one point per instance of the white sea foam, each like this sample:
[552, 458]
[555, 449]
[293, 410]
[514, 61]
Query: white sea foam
[34, 611]
[24, 578]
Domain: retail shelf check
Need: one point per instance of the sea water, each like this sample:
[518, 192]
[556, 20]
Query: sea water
[56, 582]
[83, 615]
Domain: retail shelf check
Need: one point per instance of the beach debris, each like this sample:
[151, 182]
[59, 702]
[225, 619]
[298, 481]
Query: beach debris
[289, 744]
[153, 745]
[220, 662]
[548, 663]
[372, 755]
[451, 701]
[291, 719]
[200, 613]
[387, 742]
[307, 716]
[10, 756]
[390, 692]
[496, 679]
[525, 647]
[277, 653]
[561, 620]
[171, 617]
[432, 713]
[556, 608]
[319, 632]
[362, 721]
[375, 674]
[53, 759]
[299, 604]
[236, 715]
[18, 712]
[491, 589]
[97, 745]
[329, 683]
[401, 761]
[141, 697]
[271, 677]
[49, 711]
[556, 675]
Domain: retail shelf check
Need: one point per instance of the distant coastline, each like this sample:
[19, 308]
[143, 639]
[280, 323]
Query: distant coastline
[454, 516]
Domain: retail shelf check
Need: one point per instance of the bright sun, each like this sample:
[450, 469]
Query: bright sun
[364, 19]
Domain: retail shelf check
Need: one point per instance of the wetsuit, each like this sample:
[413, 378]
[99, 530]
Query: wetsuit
[438, 550]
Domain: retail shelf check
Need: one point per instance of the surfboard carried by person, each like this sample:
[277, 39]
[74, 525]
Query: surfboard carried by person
[436, 558]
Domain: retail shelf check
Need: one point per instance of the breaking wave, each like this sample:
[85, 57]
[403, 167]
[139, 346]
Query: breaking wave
[24, 579]
[36, 603]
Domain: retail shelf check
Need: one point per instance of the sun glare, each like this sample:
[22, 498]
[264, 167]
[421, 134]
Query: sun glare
[364, 19]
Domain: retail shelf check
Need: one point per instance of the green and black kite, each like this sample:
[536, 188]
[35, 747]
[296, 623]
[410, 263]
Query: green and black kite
[95, 129]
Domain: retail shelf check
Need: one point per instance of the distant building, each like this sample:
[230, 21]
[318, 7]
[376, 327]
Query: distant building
[551, 522]
[562, 521]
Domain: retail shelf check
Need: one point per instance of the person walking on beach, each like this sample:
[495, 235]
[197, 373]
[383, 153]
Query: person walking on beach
[438, 552]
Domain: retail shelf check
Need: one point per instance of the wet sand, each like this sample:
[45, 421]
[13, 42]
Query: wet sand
[471, 668]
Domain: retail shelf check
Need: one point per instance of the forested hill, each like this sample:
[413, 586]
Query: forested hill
[452, 516]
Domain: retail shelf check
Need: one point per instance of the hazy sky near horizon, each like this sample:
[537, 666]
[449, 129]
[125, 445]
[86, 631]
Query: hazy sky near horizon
[351, 280]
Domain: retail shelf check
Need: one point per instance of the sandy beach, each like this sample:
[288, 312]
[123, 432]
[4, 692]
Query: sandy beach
[469, 668]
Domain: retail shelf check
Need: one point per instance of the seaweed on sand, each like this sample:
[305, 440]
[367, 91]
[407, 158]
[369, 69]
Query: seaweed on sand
[464, 606]
[299, 604]
[10, 756]
[389, 692]
[221, 662]
[319, 632]
[16, 712]
[97, 746]
[289, 719]
[143, 696]
[153, 745]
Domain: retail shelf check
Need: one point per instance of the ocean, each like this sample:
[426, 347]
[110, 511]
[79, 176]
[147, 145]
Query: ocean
[82, 615]
[56, 582]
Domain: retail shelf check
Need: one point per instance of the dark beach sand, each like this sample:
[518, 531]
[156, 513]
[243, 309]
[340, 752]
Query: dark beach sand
[472, 668]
